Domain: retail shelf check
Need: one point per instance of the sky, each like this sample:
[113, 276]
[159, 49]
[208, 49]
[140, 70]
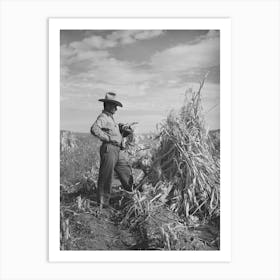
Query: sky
[149, 70]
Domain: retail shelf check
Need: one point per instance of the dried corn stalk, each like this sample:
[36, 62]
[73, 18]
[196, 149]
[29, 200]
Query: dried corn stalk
[187, 158]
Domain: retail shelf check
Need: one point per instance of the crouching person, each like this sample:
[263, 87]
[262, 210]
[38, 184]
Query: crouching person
[111, 159]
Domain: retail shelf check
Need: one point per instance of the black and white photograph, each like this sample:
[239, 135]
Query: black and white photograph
[140, 139]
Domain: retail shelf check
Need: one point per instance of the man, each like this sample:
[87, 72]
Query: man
[111, 160]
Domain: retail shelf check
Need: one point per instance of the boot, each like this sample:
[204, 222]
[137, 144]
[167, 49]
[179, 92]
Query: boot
[104, 201]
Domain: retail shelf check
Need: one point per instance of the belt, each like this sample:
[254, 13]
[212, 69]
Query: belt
[114, 144]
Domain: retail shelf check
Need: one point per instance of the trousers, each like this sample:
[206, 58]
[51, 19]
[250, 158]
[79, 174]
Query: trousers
[112, 161]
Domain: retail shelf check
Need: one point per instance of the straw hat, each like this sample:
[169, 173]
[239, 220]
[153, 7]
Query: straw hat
[111, 97]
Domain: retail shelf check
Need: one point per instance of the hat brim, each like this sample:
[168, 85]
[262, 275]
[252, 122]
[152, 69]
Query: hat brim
[111, 101]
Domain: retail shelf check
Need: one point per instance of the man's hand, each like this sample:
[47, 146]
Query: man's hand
[125, 129]
[114, 142]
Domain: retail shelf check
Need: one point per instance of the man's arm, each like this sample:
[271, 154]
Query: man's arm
[96, 129]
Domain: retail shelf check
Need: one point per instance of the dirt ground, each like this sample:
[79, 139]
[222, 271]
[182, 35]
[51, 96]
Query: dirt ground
[98, 232]
[85, 227]
[90, 228]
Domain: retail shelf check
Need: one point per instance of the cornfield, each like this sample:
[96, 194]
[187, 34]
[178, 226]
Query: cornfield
[175, 201]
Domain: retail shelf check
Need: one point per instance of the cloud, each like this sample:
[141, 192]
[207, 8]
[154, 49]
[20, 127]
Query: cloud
[143, 35]
[116, 38]
[152, 87]
[123, 37]
[69, 55]
[66, 52]
[185, 57]
[209, 35]
[91, 58]
[212, 34]
[167, 69]
[93, 42]
[96, 69]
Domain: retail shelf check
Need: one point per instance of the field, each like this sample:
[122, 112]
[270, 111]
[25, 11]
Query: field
[175, 203]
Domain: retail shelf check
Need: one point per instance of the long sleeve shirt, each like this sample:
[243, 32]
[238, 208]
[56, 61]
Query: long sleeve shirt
[106, 129]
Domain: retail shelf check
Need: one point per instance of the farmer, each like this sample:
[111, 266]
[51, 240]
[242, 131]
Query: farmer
[111, 159]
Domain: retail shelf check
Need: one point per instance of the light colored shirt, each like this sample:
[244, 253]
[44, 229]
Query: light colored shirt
[106, 129]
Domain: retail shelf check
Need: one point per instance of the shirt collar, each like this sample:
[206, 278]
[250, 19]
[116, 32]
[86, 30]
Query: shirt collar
[108, 114]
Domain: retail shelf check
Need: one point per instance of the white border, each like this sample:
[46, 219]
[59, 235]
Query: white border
[55, 25]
